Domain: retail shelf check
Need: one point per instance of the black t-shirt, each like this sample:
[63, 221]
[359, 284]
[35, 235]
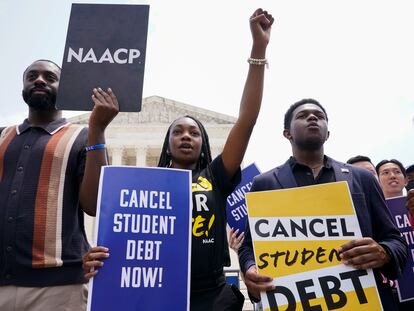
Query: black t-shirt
[210, 251]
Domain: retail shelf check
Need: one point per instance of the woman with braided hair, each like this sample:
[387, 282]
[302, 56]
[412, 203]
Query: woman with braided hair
[186, 146]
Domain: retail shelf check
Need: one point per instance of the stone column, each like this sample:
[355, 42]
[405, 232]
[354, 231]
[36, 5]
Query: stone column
[141, 156]
[117, 156]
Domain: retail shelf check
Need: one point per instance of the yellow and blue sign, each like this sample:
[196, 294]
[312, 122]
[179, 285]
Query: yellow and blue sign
[296, 235]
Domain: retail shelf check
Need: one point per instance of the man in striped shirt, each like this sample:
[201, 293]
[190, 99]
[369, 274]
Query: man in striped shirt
[47, 181]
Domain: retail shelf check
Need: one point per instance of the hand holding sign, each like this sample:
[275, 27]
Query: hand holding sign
[105, 109]
[91, 262]
[235, 241]
[364, 253]
[257, 283]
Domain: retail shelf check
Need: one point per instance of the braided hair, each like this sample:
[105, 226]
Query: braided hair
[204, 158]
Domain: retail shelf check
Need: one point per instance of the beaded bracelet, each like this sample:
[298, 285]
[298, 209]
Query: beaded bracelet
[258, 61]
[95, 147]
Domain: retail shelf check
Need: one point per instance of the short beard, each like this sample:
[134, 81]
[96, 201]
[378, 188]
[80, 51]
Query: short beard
[44, 102]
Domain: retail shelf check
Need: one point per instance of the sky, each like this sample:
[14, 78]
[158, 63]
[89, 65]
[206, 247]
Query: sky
[354, 57]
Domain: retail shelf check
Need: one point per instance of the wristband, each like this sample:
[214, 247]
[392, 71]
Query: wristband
[258, 61]
[95, 147]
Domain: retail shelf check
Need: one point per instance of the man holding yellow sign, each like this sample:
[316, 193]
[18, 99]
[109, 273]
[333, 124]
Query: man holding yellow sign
[311, 251]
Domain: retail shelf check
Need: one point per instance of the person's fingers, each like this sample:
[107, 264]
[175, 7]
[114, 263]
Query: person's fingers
[365, 254]
[113, 97]
[271, 19]
[99, 249]
[98, 95]
[252, 275]
[360, 259]
[257, 12]
[262, 19]
[234, 232]
[255, 287]
[97, 255]
[91, 274]
[97, 252]
[239, 241]
[95, 100]
[107, 98]
[354, 243]
[240, 238]
[257, 283]
[260, 278]
[355, 252]
[358, 246]
[92, 264]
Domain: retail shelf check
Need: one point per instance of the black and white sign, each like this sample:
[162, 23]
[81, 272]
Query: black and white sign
[105, 47]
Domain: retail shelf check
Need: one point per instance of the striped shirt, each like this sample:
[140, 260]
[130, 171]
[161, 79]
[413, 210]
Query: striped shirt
[41, 223]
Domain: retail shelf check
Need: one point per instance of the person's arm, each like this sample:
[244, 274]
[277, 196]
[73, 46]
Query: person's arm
[238, 139]
[105, 109]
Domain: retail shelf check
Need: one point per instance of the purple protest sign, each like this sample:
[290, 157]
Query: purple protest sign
[400, 214]
[236, 203]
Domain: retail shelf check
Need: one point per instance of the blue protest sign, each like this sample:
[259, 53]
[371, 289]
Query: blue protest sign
[105, 47]
[144, 218]
[236, 204]
[400, 214]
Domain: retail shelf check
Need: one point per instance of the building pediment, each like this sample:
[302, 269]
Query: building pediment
[156, 109]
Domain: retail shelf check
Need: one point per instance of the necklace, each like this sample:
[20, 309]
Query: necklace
[316, 167]
[316, 170]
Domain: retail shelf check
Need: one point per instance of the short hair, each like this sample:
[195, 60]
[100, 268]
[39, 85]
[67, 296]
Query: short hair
[359, 158]
[205, 157]
[289, 112]
[394, 161]
[41, 60]
[409, 169]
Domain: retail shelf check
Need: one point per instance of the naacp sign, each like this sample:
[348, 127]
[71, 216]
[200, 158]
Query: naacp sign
[105, 47]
